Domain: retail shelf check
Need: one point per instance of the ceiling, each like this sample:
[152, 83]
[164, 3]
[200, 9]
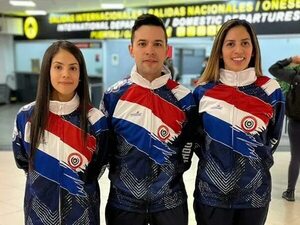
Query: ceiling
[54, 6]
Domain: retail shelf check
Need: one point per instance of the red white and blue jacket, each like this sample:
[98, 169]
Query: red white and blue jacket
[153, 129]
[242, 117]
[57, 188]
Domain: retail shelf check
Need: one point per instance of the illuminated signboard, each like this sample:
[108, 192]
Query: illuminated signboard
[194, 20]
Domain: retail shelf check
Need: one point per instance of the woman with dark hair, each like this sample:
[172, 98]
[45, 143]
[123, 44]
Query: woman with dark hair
[288, 70]
[242, 113]
[60, 142]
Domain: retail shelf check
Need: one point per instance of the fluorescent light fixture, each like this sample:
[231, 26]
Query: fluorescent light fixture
[35, 12]
[112, 6]
[22, 3]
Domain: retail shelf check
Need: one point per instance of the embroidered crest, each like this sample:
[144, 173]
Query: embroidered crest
[74, 160]
[249, 124]
[163, 132]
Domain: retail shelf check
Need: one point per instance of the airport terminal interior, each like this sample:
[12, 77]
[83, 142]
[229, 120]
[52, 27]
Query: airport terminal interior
[108, 61]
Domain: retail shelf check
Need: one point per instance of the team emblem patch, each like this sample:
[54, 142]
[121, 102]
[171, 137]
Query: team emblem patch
[249, 124]
[74, 160]
[163, 132]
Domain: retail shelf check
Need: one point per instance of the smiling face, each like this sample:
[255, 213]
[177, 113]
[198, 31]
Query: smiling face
[149, 50]
[237, 49]
[64, 76]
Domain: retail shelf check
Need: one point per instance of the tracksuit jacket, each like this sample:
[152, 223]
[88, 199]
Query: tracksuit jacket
[242, 117]
[59, 189]
[152, 125]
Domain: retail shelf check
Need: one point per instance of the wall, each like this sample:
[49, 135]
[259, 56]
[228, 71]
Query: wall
[25, 51]
[113, 70]
[276, 48]
[6, 57]
[272, 49]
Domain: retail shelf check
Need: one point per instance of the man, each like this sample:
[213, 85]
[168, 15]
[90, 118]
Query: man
[150, 115]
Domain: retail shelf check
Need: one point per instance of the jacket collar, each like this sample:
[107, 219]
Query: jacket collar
[238, 79]
[135, 77]
[64, 108]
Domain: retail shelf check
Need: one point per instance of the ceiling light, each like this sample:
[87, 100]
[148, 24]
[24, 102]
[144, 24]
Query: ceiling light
[112, 6]
[22, 3]
[35, 12]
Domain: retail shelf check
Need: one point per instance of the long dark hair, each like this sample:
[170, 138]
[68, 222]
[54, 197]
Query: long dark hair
[40, 114]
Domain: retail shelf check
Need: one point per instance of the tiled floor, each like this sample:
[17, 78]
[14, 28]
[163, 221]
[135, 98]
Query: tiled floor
[12, 182]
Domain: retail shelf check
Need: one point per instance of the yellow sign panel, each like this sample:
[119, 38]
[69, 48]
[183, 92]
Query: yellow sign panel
[31, 27]
[188, 20]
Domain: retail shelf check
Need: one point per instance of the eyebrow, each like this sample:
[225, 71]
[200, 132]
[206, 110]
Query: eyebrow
[244, 39]
[158, 40]
[63, 63]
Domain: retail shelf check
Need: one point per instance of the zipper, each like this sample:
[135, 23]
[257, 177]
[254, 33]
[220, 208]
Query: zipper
[233, 121]
[59, 170]
[151, 93]
[150, 171]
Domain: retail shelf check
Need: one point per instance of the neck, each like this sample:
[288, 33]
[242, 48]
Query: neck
[150, 78]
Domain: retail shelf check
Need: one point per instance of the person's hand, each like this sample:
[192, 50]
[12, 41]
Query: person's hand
[296, 59]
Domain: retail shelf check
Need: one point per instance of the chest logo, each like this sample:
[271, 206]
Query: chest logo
[74, 160]
[163, 132]
[137, 113]
[249, 124]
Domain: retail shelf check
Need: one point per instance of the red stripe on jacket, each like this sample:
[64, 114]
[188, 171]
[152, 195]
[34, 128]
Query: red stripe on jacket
[161, 108]
[242, 101]
[62, 129]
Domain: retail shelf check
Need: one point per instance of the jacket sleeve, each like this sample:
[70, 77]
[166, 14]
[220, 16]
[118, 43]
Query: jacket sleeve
[105, 139]
[20, 154]
[186, 140]
[189, 135]
[100, 158]
[200, 139]
[276, 123]
[282, 72]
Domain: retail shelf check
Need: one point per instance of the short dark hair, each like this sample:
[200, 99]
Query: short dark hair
[148, 19]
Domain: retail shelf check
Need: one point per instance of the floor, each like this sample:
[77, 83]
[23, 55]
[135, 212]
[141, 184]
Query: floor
[13, 181]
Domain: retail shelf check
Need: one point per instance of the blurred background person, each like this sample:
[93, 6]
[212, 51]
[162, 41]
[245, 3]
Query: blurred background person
[288, 70]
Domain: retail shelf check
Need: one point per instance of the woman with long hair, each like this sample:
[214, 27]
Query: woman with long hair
[59, 140]
[241, 112]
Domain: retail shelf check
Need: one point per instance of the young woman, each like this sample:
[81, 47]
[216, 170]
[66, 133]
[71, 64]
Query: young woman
[242, 113]
[60, 142]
